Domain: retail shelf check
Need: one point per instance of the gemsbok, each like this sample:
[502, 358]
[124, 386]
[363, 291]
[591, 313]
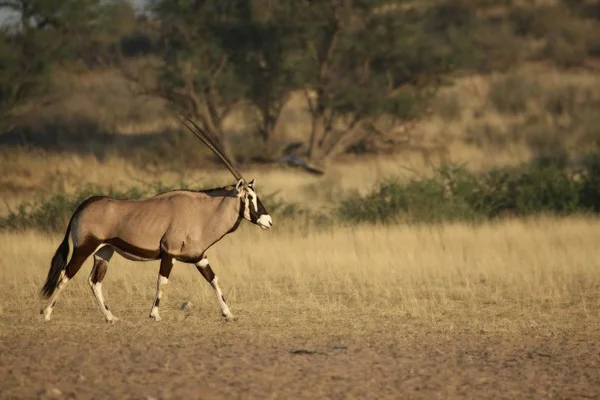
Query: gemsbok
[179, 225]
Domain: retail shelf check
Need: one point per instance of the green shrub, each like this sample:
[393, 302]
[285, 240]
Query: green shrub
[568, 46]
[444, 197]
[453, 193]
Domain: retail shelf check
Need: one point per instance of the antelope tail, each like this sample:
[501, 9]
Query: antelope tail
[59, 264]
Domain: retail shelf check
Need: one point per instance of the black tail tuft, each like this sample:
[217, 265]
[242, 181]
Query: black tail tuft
[59, 264]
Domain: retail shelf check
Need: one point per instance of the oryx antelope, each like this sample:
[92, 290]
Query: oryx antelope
[178, 225]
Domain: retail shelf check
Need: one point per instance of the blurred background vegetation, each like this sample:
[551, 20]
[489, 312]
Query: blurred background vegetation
[373, 97]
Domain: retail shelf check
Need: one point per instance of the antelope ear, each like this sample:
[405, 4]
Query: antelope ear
[251, 184]
[239, 185]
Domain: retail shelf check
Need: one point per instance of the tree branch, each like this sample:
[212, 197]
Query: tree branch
[346, 139]
[324, 62]
[328, 127]
[219, 68]
[309, 101]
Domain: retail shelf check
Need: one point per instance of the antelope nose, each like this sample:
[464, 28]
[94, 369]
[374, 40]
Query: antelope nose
[265, 221]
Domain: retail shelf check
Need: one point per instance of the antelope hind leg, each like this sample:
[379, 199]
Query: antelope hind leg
[166, 264]
[101, 259]
[77, 259]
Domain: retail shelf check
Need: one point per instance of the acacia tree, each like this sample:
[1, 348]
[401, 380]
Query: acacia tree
[359, 62]
[23, 71]
[219, 54]
[51, 32]
[197, 74]
[356, 62]
[260, 45]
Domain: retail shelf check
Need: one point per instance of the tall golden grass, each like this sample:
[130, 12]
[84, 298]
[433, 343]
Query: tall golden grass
[25, 174]
[540, 275]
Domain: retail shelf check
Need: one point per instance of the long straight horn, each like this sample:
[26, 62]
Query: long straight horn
[200, 134]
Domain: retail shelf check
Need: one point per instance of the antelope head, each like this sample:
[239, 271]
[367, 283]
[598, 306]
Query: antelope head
[254, 211]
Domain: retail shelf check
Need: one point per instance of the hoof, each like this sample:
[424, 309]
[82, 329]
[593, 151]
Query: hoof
[230, 317]
[155, 317]
[47, 314]
[112, 320]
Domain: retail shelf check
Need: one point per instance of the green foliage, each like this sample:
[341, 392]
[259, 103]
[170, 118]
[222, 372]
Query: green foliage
[191, 34]
[24, 67]
[260, 43]
[72, 30]
[454, 193]
[50, 33]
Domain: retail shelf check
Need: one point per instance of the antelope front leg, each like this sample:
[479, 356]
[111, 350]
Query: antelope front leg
[166, 264]
[208, 274]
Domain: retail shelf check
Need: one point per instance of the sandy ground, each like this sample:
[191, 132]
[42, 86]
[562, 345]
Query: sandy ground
[198, 356]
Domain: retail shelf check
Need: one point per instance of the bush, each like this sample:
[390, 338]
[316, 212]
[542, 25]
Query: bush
[568, 46]
[453, 193]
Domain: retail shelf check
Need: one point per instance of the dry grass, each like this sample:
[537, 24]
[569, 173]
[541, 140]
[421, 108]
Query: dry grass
[25, 174]
[539, 276]
[503, 119]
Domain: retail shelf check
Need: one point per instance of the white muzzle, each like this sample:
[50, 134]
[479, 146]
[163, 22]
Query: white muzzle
[265, 221]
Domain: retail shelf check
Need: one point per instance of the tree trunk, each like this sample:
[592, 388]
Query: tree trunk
[313, 151]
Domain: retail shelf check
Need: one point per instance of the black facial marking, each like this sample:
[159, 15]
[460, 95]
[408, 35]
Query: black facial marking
[255, 214]
[240, 217]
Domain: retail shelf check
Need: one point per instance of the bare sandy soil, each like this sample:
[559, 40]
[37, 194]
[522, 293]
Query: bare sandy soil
[198, 356]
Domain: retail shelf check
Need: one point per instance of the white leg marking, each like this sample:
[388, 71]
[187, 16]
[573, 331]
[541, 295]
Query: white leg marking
[215, 285]
[224, 307]
[203, 263]
[97, 290]
[154, 311]
[102, 254]
[63, 280]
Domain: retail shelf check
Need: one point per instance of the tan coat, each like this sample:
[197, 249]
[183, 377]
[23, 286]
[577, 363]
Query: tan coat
[182, 223]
